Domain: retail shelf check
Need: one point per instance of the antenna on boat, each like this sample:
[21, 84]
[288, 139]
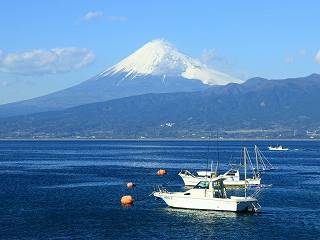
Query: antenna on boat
[217, 167]
[208, 151]
[218, 153]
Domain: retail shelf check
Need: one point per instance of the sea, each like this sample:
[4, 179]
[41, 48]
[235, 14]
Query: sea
[72, 190]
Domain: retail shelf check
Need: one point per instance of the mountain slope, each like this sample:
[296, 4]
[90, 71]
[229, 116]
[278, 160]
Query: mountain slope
[255, 104]
[157, 67]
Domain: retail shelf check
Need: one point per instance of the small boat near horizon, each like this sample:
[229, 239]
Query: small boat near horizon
[278, 148]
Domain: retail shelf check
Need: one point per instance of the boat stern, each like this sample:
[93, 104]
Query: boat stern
[246, 204]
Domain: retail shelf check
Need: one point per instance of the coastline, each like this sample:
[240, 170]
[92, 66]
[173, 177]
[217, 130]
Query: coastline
[159, 139]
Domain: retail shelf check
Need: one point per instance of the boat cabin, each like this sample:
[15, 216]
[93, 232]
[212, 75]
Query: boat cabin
[232, 174]
[215, 186]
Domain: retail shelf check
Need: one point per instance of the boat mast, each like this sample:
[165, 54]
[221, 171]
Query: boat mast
[208, 150]
[245, 170]
[218, 155]
[257, 161]
[207, 168]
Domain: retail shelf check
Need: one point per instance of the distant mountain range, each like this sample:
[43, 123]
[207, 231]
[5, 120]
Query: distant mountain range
[157, 67]
[275, 105]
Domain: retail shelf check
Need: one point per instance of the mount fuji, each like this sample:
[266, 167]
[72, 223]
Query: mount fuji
[160, 58]
[157, 67]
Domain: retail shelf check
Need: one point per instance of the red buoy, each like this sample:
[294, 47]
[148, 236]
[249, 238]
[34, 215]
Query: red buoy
[130, 185]
[127, 200]
[162, 172]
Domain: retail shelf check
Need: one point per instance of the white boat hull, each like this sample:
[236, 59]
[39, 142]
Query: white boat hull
[278, 149]
[233, 204]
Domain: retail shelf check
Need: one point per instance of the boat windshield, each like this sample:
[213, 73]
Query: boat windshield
[185, 172]
[202, 185]
[231, 173]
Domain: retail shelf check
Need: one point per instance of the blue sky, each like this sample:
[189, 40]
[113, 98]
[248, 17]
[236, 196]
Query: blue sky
[272, 39]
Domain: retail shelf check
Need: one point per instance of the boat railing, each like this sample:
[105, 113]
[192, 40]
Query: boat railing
[256, 206]
[260, 188]
[160, 188]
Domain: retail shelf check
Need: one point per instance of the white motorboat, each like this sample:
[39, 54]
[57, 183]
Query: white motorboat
[231, 178]
[190, 179]
[278, 148]
[205, 173]
[208, 195]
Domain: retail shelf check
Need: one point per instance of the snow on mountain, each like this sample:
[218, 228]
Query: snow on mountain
[160, 58]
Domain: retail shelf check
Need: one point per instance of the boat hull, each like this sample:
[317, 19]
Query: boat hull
[236, 204]
[277, 149]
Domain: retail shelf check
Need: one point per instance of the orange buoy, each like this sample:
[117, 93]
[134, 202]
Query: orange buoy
[162, 172]
[127, 200]
[130, 185]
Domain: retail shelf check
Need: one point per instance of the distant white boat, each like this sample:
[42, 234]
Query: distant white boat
[278, 148]
[209, 195]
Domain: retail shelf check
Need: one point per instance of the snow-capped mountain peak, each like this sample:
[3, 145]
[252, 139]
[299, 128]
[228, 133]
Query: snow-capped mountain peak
[160, 58]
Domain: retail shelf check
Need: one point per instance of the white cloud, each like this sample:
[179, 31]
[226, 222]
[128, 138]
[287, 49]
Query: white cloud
[208, 55]
[92, 15]
[211, 55]
[317, 57]
[40, 61]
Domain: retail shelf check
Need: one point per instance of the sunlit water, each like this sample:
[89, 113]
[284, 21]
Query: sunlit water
[71, 190]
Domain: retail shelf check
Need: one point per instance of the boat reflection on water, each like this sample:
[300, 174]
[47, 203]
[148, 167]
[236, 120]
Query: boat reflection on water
[204, 216]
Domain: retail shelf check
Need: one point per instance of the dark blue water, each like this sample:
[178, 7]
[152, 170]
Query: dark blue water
[71, 190]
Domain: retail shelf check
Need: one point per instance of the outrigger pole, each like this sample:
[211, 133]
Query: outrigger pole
[245, 170]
